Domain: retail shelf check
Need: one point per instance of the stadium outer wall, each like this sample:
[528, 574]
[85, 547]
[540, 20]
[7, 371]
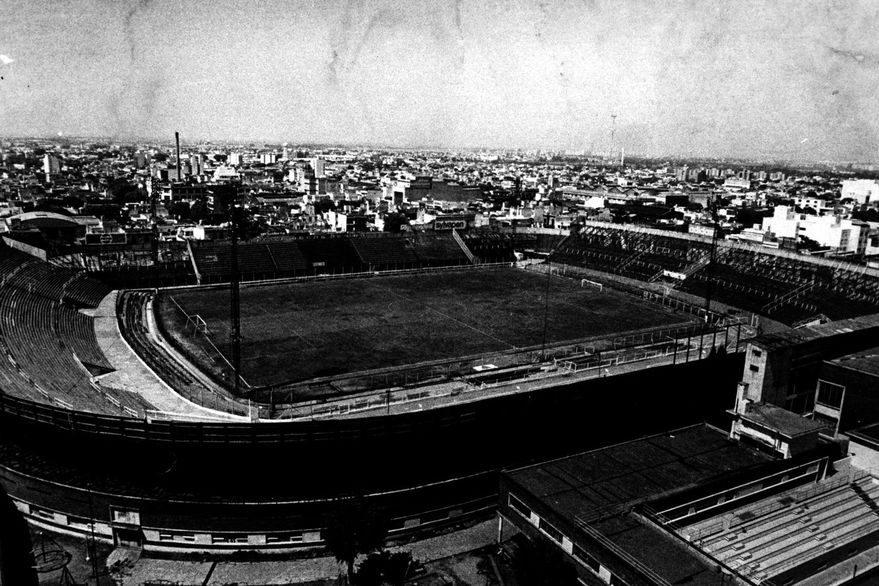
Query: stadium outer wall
[187, 486]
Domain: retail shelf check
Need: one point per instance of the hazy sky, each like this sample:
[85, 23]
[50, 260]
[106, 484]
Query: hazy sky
[769, 78]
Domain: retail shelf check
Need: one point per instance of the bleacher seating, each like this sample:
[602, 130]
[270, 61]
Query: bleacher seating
[491, 247]
[82, 291]
[780, 286]
[633, 254]
[438, 249]
[288, 258]
[254, 261]
[48, 350]
[771, 536]
[385, 252]
[330, 255]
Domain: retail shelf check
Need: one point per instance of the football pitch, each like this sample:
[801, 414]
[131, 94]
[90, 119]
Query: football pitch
[297, 331]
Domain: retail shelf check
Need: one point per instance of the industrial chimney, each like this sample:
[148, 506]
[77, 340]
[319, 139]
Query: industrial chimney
[177, 138]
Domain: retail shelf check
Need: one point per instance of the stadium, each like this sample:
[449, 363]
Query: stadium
[405, 370]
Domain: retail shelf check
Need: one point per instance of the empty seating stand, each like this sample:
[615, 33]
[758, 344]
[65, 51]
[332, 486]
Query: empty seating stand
[773, 536]
[289, 260]
[438, 249]
[773, 283]
[385, 253]
[491, 247]
[329, 255]
[48, 349]
[214, 261]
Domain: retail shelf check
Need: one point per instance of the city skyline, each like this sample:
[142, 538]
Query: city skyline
[752, 80]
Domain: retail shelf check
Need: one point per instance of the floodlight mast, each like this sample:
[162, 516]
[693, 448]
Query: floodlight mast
[235, 299]
[713, 204]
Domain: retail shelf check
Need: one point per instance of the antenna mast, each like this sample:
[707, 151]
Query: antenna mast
[613, 129]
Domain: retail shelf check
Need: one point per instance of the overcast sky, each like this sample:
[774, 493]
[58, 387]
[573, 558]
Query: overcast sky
[794, 79]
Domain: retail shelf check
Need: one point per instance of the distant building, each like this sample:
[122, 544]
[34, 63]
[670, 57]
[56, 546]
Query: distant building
[141, 160]
[737, 183]
[180, 191]
[777, 176]
[697, 175]
[808, 371]
[51, 165]
[831, 231]
[318, 165]
[196, 164]
[223, 173]
[427, 187]
[863, 191]
[816, 203]
[344, 222]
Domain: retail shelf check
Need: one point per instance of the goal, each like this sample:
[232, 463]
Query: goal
[592, 285]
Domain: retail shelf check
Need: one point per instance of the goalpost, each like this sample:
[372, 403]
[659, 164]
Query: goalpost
[593, 284]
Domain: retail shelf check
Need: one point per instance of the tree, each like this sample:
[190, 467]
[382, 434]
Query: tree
[398, 567]
[395, 221]
[198, 211]
[354, 528]
[384, 567]
[122, 191]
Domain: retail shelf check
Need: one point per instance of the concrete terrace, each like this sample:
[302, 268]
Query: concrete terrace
[774, 536]
[133, 375]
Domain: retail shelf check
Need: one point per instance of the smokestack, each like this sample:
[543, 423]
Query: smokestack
[177, 138]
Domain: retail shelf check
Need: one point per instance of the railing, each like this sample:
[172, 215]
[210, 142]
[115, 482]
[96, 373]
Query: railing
[463, 246]
[345, 275]
[790, 295]
[634, 562]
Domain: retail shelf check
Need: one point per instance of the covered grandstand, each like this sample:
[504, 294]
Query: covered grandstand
[781, 285]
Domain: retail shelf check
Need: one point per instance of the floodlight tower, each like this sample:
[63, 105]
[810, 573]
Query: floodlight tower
[713, 204]
[235, 299]
[154, 225]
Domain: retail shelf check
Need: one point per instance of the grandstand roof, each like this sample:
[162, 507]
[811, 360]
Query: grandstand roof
[591, 490]
[635, 471]
[806, 334]
[868, 434]
[865, 361]
[49, 219]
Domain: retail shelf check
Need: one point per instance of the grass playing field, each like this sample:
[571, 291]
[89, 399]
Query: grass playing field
[298, 331]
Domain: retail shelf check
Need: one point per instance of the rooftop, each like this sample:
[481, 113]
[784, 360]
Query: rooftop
[781, 420]
[868, 434]
[792, 337]
[588, 489]
[586, 484]
[865, 361]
